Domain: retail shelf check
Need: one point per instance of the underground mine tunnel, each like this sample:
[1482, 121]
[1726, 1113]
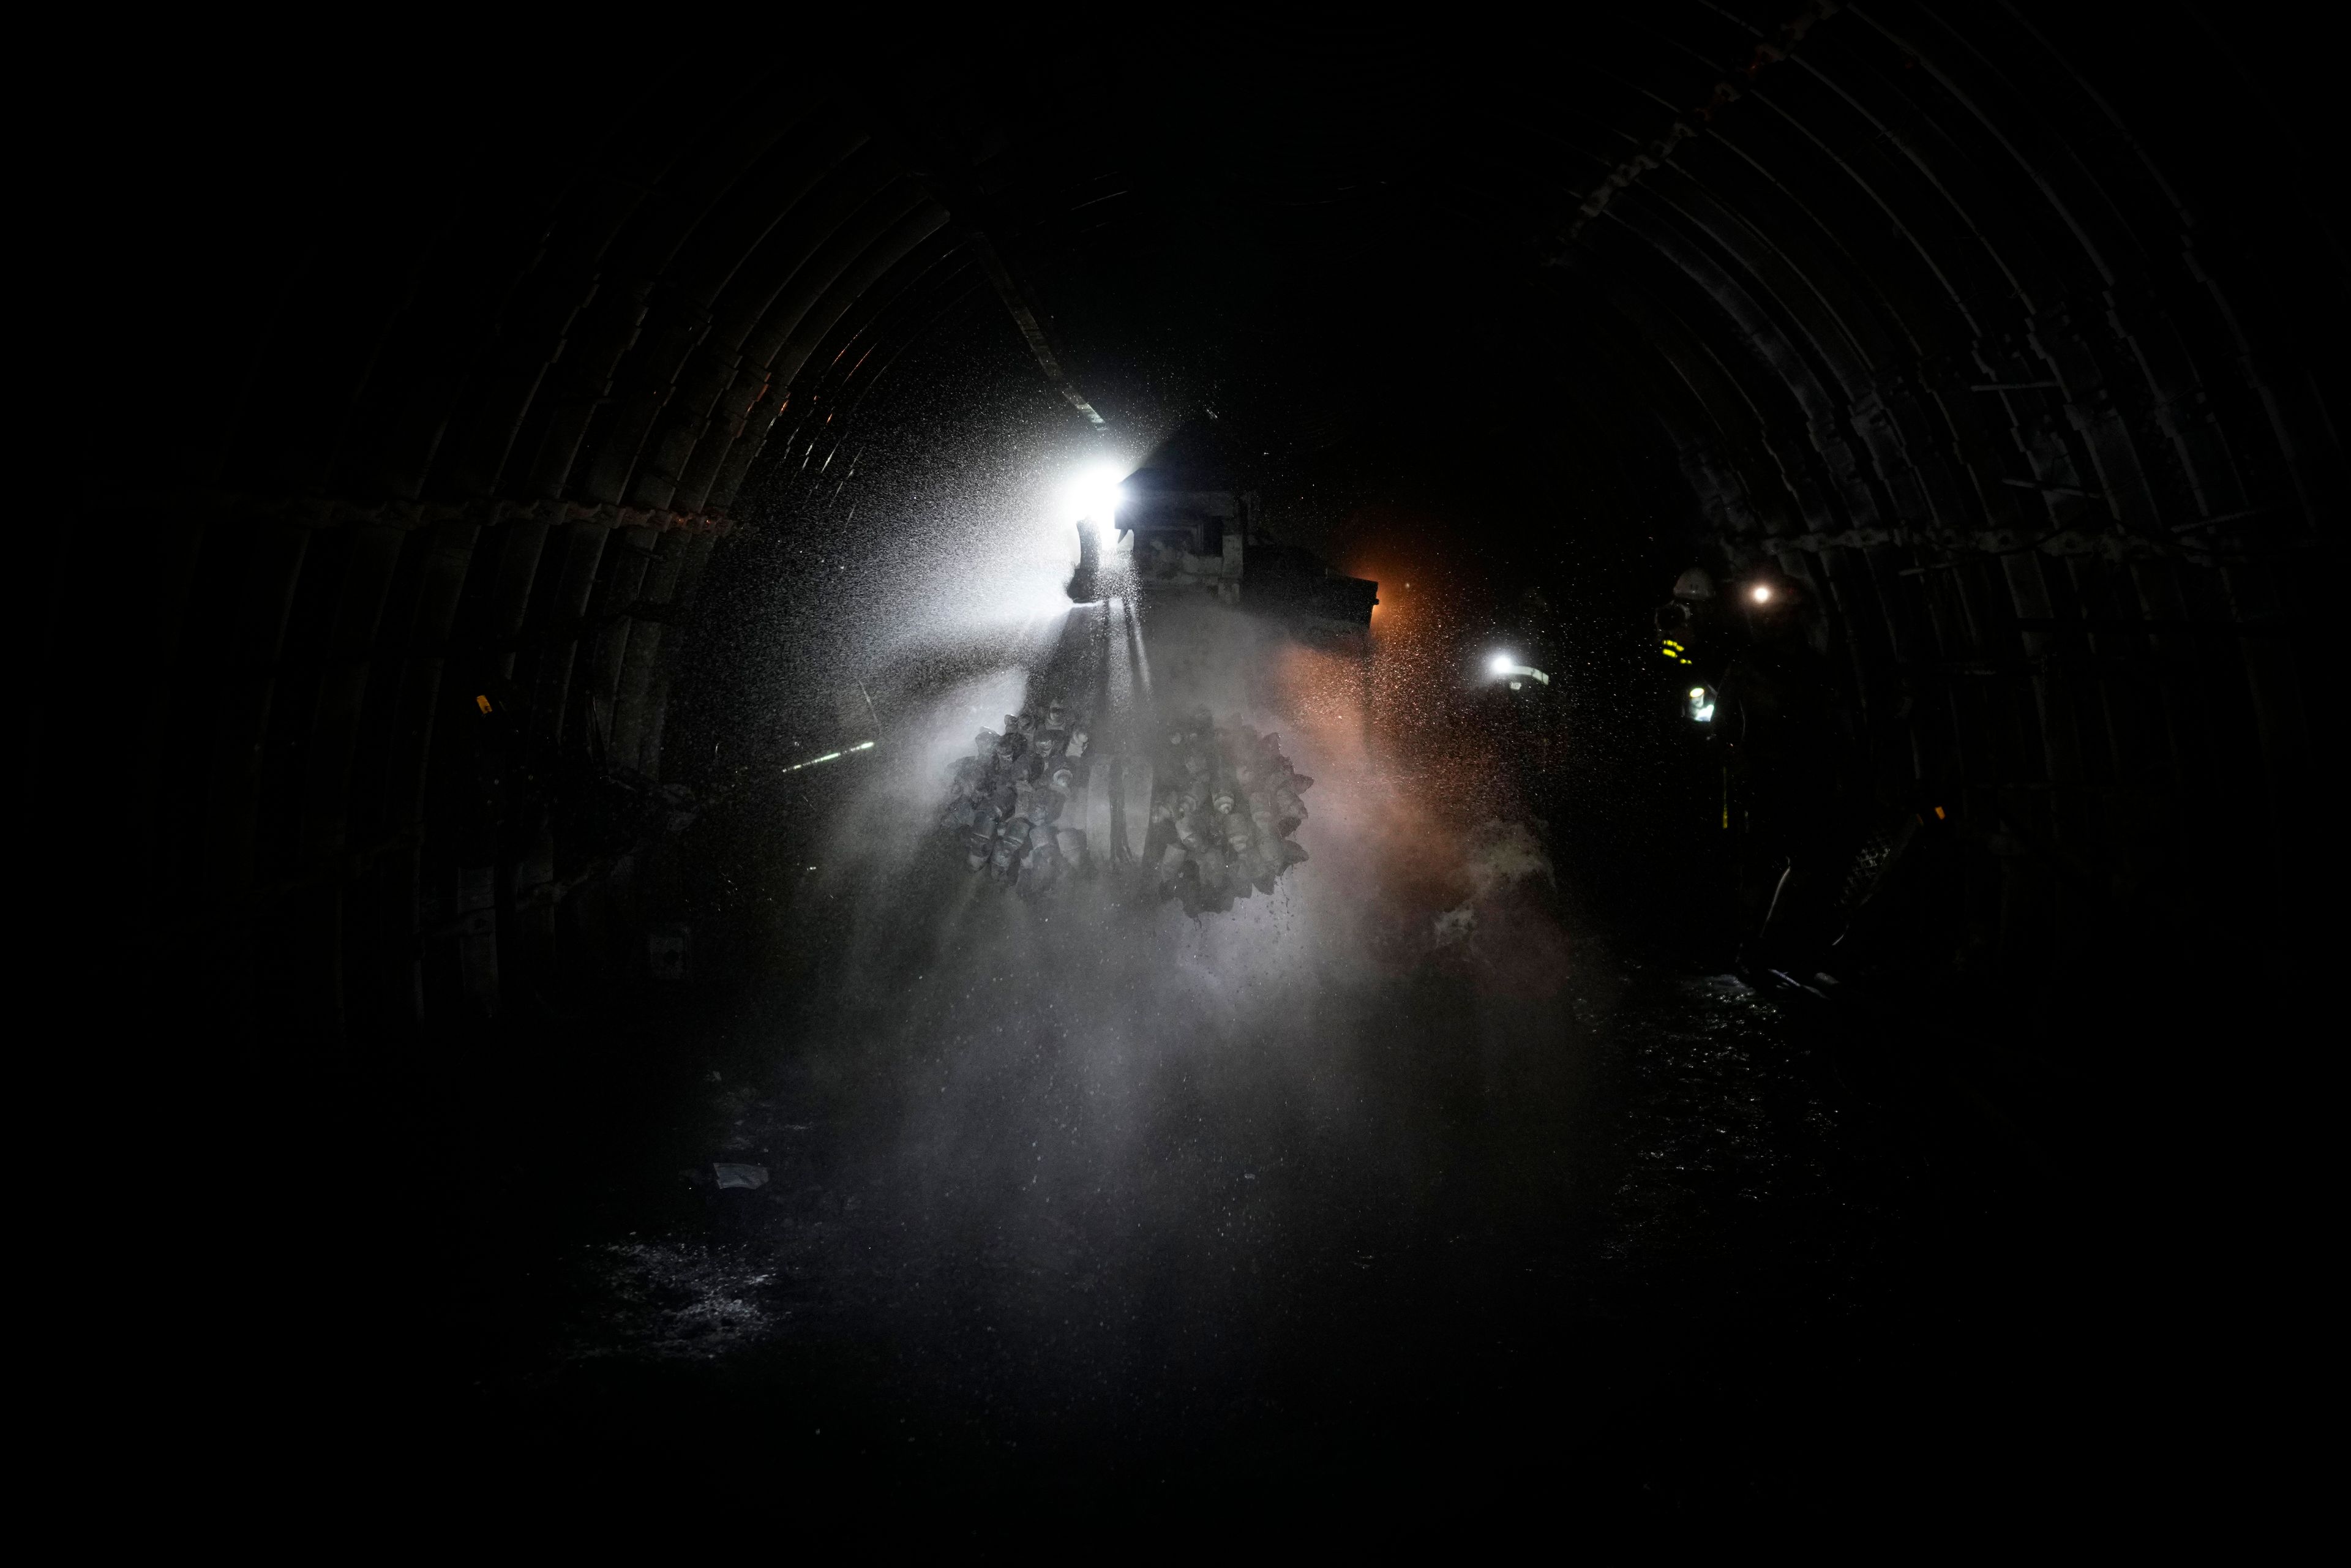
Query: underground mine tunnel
[1278, 769]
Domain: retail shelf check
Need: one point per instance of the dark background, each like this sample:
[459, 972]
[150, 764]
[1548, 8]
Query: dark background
[383, 361]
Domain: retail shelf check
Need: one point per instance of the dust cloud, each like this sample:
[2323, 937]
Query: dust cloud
[1127, 1151]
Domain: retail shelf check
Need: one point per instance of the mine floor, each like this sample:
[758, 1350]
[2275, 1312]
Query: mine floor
[1406, 1188]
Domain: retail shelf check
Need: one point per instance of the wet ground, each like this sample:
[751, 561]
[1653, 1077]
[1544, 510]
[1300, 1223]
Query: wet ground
[1649, 1252]
[1403, 1194]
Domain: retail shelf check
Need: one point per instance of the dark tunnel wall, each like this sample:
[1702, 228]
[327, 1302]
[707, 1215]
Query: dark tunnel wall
[2016, 339]
[1921, 316]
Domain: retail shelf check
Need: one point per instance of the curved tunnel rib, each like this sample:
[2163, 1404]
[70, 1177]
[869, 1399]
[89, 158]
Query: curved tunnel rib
[1910, 333]
[443, 476]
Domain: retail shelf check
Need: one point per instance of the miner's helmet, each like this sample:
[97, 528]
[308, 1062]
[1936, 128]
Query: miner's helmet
[1694, 595]
[1063, 777]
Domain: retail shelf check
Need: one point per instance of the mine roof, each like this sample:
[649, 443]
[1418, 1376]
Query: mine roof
[1198, 456]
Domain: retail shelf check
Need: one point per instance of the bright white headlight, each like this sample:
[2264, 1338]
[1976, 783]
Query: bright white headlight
[1096, 492]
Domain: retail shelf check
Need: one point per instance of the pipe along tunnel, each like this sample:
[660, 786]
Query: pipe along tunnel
[494, 754]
